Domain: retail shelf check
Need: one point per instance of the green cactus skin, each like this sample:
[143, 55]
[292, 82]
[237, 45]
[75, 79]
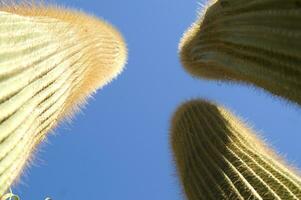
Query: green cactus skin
[255, 41]
[51, 60]
[218, 157]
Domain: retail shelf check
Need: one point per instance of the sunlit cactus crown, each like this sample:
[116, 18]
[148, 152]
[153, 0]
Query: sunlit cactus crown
[218, 157]
[51, 60]
[254, 41]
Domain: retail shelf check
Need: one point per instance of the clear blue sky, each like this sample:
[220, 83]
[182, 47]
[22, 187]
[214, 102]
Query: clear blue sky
[117, 148]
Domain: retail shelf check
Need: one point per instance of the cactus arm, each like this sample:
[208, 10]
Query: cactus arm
[51, 60]
[255, 42]
[218, 157]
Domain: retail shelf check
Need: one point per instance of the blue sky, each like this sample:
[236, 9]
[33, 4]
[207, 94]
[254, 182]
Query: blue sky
[117, 147]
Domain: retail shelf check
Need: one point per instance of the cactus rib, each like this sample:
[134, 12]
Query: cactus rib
[218, 157]
[51, 60]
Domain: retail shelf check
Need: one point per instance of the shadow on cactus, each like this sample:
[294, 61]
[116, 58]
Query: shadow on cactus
[51, 60]
[256, 42]
[218, 157]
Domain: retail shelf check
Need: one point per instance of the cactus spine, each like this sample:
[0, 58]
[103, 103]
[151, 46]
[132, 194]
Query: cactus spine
[254, 41]
[218, 157]
[51, 60]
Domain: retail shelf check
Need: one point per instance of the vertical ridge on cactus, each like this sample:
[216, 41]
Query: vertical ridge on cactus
[218, 157]
[257, 42]
[51, 60]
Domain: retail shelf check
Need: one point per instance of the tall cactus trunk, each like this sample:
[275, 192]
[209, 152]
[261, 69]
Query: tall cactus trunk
[51, 60]
[218, 157]
[257, 42]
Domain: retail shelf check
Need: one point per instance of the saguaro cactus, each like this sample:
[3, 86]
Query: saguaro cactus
[257, 42]
[218, 157]
[51, 60]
